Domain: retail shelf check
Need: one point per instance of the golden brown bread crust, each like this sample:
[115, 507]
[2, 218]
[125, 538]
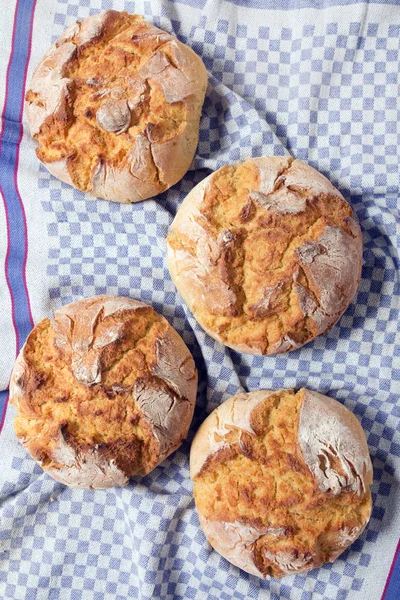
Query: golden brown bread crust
[115, 106]
[281, 480]
[104, 391]
[267, 254]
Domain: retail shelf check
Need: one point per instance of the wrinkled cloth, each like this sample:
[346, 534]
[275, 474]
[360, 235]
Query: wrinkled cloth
[315, 79]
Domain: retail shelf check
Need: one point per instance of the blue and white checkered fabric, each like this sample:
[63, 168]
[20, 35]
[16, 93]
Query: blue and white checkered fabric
[318, 80]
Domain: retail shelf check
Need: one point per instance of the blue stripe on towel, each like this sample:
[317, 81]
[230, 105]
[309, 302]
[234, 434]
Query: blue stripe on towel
[10, 140]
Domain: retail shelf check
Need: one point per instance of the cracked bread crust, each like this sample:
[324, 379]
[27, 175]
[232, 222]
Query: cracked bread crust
[281, 480]
[104, 391]
[267, 254]
[115, 106]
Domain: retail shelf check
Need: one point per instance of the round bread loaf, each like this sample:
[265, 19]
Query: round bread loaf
[281, 480]
[267, 254]
[104, 391]
[115, 106]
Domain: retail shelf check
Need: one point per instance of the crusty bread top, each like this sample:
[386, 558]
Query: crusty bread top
[281, 480]
[267, 254]
[105, 390]
[115, 105]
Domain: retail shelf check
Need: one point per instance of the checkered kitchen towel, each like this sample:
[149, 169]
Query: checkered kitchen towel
[313, 78]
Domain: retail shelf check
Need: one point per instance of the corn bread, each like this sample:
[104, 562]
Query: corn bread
[104, 391]
[115, 106]
[267, 254]
[281, 480]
